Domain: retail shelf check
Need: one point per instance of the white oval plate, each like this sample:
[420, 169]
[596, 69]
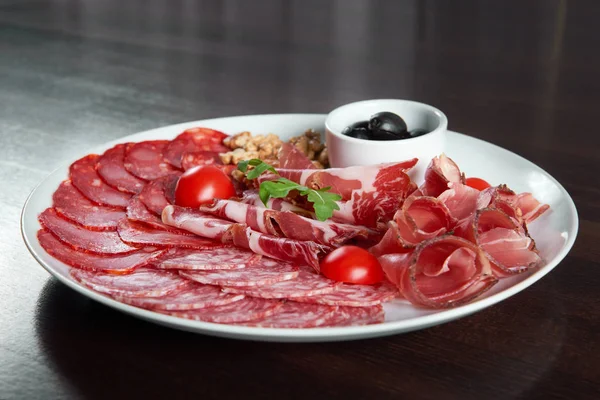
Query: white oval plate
[554, 232]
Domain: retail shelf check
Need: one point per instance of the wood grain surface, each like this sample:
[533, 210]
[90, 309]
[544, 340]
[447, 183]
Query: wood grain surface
[520, 74]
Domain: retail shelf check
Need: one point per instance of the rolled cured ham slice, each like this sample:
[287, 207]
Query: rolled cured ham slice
[442, 272]
[100, 242]
[197, 222]
[296, 315]
[137, 212]
[252, 197]
[159, 193]
[530, 207]
[217, 258]
[461, 200]
[70, 203]
[290, 157]
[441, 171]
[307, 283]
[141, 283]
[85, 178]
[505, 243]
[194, 140]
[190, 297]
[264, 272]
[522, 207]
[140, 235]
[286, 223]
[247, 309]
[354, 295]
[110, 264]
[145, 159]
[356, 316]
[295, 251]
[111, 168]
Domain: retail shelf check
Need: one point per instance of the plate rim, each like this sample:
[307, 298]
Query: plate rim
[321, 334]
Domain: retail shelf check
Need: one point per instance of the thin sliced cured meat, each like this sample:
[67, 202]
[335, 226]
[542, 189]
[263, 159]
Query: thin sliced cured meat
[110, 264]
[286, 223]
[137, 212]
[461, 200]
[101, 242]
[195, 158]
[355, 295]
[439, 173]
[197, 222]
[356, 316]
[85, 178]
[442, 272]
[420, 218]
[290, 157]
[530, 207]
[307, 283]
[264, 272]
[295, 251]
[191, 297]
[143, 282]
[140, 235]
[159, 193]
[505, 243]
[112, 170]
[296, 315]
[145, 159]
[217, 258]
[247, 309]
[70, 203]
[252, 197]
[194, 140]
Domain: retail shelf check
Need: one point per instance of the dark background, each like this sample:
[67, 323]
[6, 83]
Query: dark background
[521, 74]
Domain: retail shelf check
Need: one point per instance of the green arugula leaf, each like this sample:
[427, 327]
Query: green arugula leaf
[324, 202]
[259, 167]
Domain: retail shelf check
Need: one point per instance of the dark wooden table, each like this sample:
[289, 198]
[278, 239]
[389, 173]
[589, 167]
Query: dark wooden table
[521, 74]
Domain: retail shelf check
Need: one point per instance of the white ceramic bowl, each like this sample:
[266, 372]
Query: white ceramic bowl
[345, 151]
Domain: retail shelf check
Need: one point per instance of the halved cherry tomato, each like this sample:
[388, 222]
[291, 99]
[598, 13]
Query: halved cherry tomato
[202, 184]
[477, 183]
[352, 264]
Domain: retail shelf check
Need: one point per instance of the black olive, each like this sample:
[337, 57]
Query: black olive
[358, 130]
[389, 122]
[417, 132]
[385, 135]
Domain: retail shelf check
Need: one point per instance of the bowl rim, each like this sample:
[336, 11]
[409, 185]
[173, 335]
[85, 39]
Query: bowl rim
[441, 128]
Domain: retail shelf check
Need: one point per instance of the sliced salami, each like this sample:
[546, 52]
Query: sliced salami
[217, 258]
[85, 178]
[111, 168]
[101, 242]
[356, 316]
[159, 193]
[307, 283]
[194, 140]
[247, 309]
[264, 272]
[137, 212]
[145, 159]
[140, 235]
[296, 315]
[70, 203]
[111, 264]
[190, 297]
[355, 295]
[143, 282]
[193, 159]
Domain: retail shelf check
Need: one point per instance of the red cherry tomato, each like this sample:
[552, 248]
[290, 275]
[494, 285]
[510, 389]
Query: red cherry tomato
[202, 184]
[477, 183]
[352, 264]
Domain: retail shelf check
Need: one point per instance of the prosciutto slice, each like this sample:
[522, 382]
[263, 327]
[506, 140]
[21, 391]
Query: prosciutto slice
[439, 173]
[290, 157]
[443, 272]
[286, 223]
[196, 222]
[505, 243]
[523, 207]
[460, 200]
[294, 251]
[420, 218]
[251, 197]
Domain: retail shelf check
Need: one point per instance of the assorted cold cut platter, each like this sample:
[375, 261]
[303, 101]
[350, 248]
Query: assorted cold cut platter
[288, 249]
